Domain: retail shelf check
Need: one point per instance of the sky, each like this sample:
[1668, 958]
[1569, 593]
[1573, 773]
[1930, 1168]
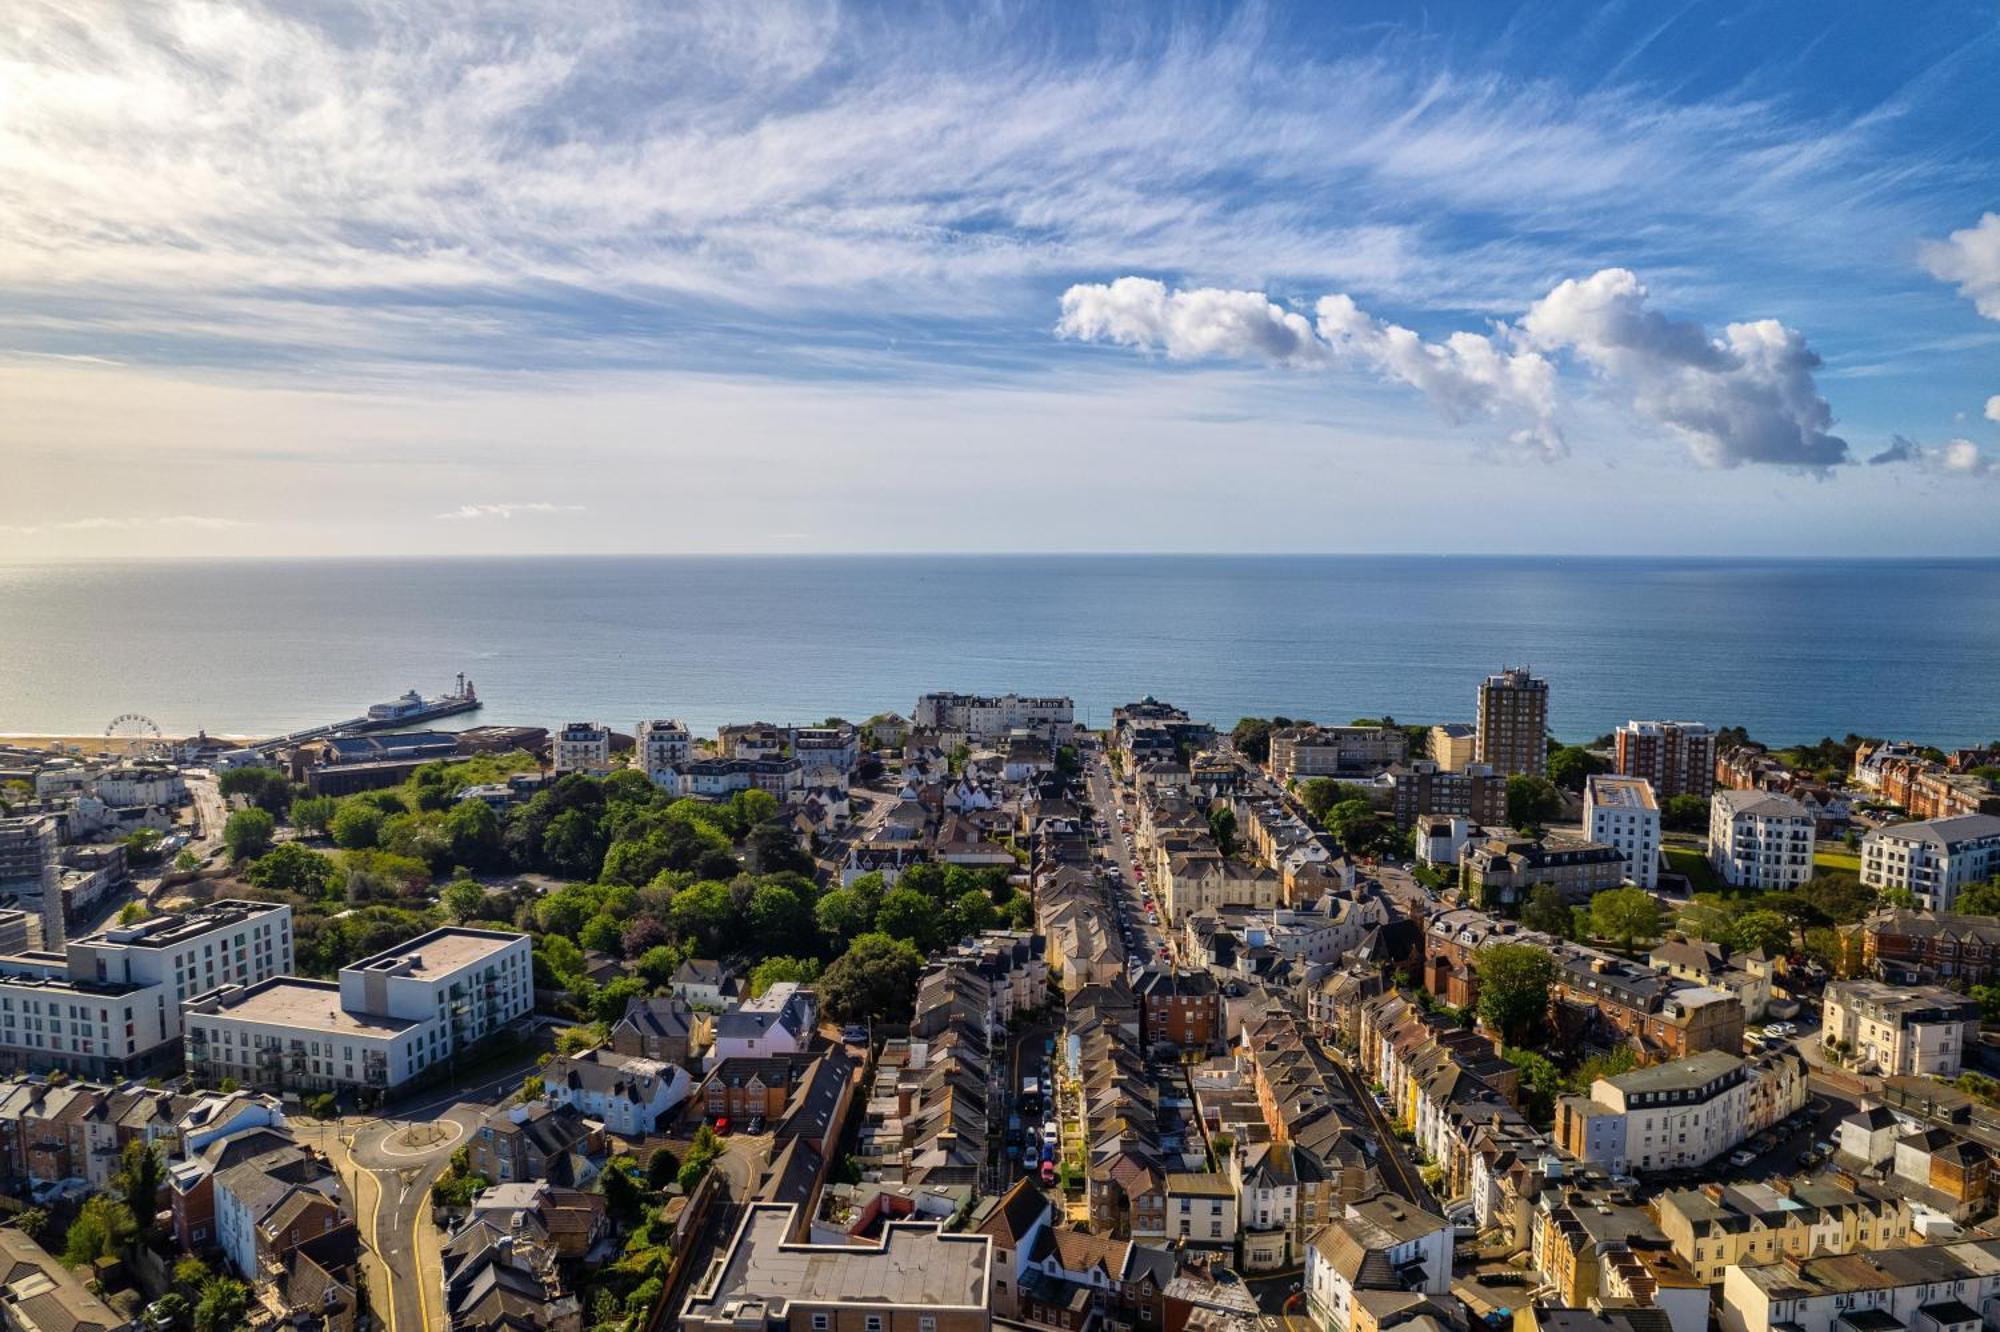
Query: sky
[485, 276]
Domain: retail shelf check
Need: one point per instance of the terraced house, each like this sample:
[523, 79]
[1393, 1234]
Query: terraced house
[1716, 1227]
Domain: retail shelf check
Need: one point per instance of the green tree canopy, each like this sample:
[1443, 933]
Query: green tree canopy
[1545, 910]
[1531, 801]
[875, 978]
[248, 832]
[1571, 765]
[356, 825]
[463, 900]
[1514, 982]
[266, 788]
[292, 868]
[1627, 915]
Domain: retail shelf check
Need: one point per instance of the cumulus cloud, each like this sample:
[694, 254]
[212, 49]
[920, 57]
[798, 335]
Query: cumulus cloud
[469, 512]
[1993, 408]
[1970, 258]
[1747, 396]
[1188, 325]
[1954, 457]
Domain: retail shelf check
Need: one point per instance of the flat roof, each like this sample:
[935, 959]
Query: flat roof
[288, 1001]
[177, 927]
[915, 1265]
[443, 951]
[1614, 792]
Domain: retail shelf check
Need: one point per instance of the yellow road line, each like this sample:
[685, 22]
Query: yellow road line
[375, 1243]
[417, 1252]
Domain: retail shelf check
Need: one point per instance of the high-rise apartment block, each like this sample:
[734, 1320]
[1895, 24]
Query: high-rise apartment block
[1514, 723]
[1678, 758]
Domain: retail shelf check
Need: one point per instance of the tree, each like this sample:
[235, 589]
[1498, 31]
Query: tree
[1356, 825]
[191, 1274]
[292, 868]
[1252, 738]
[1626, 915]
[560, 957]
[1531, 801]
[266, 788]
[704, 914]
[875, 978]
[248, 833]
[602, 934]
[1541, 1083]
[133, 912]
[843, 913]
[781, 917]
[623, 1198]
[1979, 899]
[908, 914]
[32, 1222]
[971, 914]
[473, 832]
[312, 814]
[139, 1174]
[355, 825]
[773, 848]
[1546, 911]
[1514, 981]
[1571, 765]
[223, 1305]
[1766, 930]
[1902, 899]
[1320, 794]
[463, 900]
[772, 970]
[1685, 813]
[103, 1227]
[1222, 826]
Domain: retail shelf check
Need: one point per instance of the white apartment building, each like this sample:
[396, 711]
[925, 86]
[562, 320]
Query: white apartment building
[625, 1093]
[664, 748]
[388, 1018]
[109, 1006]
[583, 747]
[131, 785]
[1621, 812]
[1758, 839]
[229, 942]
[1933, 859]
[985, 716]
[1442, 838]
[1667, 1117]
[1907, 1030]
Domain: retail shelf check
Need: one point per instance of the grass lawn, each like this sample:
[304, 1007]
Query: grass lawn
[1694, 865]
[1838, 859]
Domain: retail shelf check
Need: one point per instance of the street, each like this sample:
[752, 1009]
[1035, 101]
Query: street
[388, 1162]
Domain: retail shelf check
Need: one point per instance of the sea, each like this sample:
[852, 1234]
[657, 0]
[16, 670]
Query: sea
[1791, 649]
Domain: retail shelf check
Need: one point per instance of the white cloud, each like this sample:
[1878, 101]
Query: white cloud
[1746, 397]
[1954, 457]
[1993, 408]
[1970, 258]
[474, 511]
[126, 523]
[169, 158]
[1187, 325]
[1466, 375]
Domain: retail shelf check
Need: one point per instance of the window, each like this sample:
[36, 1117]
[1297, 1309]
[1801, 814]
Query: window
[926, 1323]
[873, 1323]
[820, 1322]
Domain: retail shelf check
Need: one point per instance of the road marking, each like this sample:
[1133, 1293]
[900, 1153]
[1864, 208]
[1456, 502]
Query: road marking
[417, 1252]
[375, 1243]
[457, 1132]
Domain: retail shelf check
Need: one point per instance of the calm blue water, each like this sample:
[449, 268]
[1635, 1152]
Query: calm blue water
[1793, 650]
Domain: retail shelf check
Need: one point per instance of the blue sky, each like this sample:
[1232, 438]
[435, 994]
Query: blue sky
[376, 278]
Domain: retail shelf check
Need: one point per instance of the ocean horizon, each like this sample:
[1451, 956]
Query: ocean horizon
[1790, 647]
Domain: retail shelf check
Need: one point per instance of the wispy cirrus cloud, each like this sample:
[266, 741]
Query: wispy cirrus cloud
[448, 181]
[471, 512]
[192, 522]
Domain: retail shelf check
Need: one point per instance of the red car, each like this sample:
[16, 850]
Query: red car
[1048, 1173]
[722, 1123]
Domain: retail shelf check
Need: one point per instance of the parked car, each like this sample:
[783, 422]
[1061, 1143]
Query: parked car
[1741, 1157]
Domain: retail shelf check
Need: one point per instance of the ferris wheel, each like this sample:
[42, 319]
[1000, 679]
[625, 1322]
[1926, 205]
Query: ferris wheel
[137, 727]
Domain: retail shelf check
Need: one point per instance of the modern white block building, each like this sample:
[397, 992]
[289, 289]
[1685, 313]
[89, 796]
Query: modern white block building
[583, 747]
[1758, 839]
[664, 748]
[1933, 859]
[388, 1018]
[1621, 812]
